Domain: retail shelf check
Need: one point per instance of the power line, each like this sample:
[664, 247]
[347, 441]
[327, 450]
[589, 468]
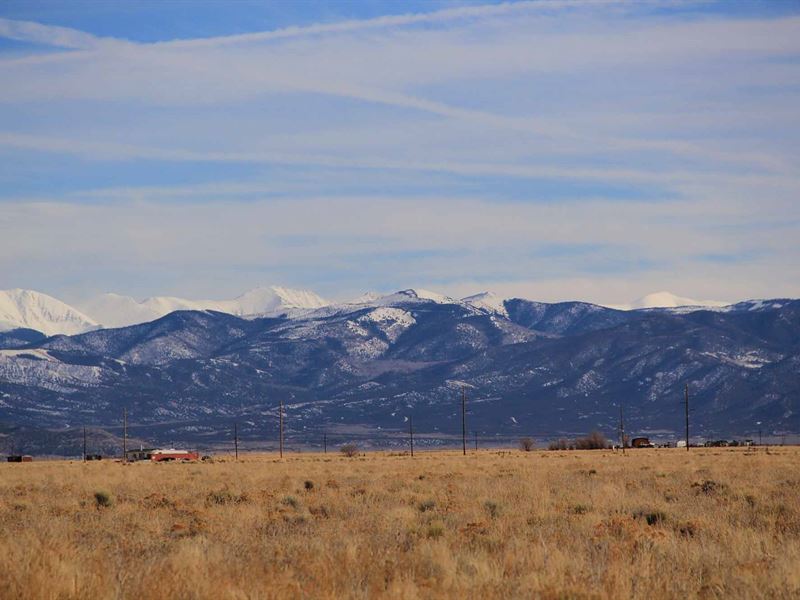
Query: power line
[124, 435]
[464, 418]
[411, 433]
[686, 406]
[280, 418]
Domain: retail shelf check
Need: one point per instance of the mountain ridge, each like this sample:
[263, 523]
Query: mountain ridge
[551, 369]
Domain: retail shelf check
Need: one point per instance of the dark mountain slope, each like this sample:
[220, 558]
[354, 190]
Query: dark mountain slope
[547, 370]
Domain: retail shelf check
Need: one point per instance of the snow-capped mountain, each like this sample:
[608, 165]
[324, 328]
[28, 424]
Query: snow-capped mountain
[33, 310]
[409, 295]
[113, 310]
[553, 367]
[670, 300]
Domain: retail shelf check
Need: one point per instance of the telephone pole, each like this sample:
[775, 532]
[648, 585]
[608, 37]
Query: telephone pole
[411, 433]
[686, 406]
[476, 440]
[325, 443]
[621, 428]
[464, 418]
[84, 444]
[124, 435]
[280, 417]
[236, 440]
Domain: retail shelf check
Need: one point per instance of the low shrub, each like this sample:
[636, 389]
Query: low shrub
[435, 530]
[708, 487]
[290, 501]
[652, 517]
[225, 496]
[103, 499]
[493, 508]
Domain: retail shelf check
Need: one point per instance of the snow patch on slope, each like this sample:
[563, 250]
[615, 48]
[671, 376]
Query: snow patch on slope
[391, 321]
[488, 301]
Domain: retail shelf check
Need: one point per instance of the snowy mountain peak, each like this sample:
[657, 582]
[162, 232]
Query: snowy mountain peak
[420, 294]
[670, 300]
[34, 310]
[113, 310]
[267, 300]
[488, 301]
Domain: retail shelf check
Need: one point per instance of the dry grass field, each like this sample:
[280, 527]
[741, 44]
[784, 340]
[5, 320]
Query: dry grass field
[711, 523]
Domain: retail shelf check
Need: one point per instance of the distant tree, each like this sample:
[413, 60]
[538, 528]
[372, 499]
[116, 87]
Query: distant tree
[593, 441]
[559, 444]
[349, 450]
[527, 444]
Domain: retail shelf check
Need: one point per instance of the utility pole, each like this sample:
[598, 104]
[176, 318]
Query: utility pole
[759, 432]
[124, 435]
[621, 428]
[476, 440]
[236, 440]
[464, 418]
[325, 443]
[686, 406]
[411, 433]
[84, 444]
[280, 417]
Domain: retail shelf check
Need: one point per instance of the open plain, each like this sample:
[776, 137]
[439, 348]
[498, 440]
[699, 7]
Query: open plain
[656, 523]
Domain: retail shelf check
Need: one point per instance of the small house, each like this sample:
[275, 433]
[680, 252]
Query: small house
[642, 442]
[20, 458]
[173, 454]
[161, 454]
[140, 454]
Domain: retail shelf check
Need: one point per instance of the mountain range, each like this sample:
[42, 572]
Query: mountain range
[28, 309]
[364, 367]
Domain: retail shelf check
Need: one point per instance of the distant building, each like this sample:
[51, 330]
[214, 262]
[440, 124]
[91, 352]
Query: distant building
[681, 444]
[716, 443]
[140, 454]
[20, 458]
[161, 454]
[173, 454]
[642, 442]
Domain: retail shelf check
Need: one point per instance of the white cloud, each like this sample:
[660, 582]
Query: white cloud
[698, 115]
[454, 244]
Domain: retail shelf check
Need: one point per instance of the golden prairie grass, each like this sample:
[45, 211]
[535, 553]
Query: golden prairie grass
[710, 523]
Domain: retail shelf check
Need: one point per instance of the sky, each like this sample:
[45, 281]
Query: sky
[551, 150]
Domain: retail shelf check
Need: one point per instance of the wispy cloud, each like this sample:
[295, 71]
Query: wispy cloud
[50, 35]
[696, 110]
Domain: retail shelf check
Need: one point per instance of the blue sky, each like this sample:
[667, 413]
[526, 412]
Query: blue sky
[546, 149]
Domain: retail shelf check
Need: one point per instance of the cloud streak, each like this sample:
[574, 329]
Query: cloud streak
[666, 136]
